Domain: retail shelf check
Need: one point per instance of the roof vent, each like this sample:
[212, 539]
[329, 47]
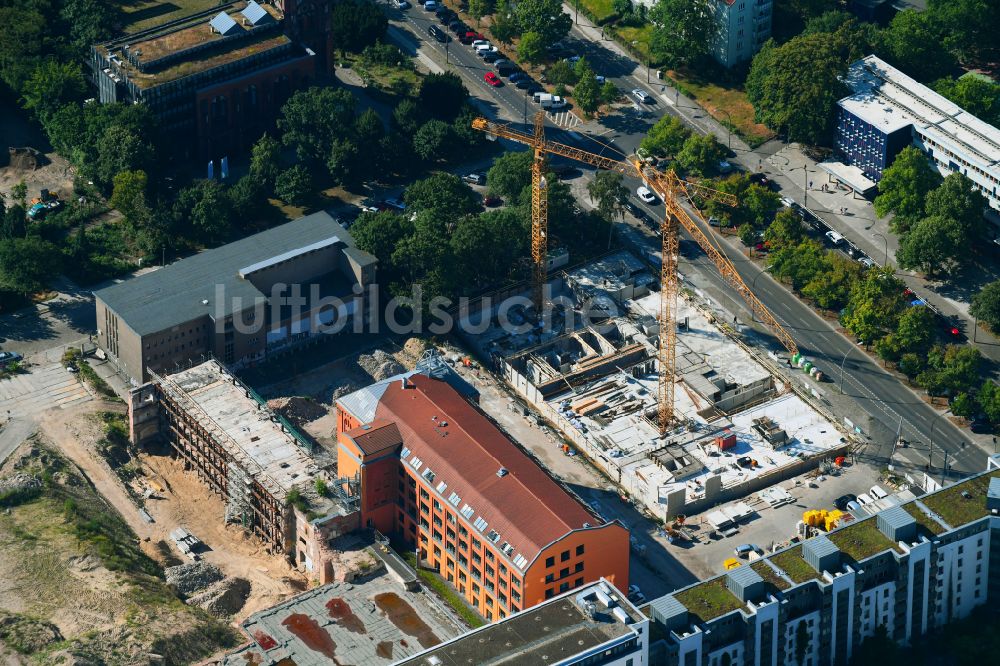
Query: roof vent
[502, 472]
[204, 301]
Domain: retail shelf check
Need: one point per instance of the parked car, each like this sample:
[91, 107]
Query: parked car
[492, 79]
[475, 178]
[878, 493]
[866, 262]
[503, 63]
[641, 95]
[788, 202]
[864, 499]
[396, 203]
[8, 357]
[458, 28]
[842, 501]
[634, 591]
[478, 42]
[633, 210]
[645, 194]
[744, 550]
[527, 83]
[516, 76]
[430, 6]
[725, 167]
[437, 33]
[401, 4]
[854, 506]
[490, 57]
[492, 201]
[446, 16]
[980, 424]
[834, 237]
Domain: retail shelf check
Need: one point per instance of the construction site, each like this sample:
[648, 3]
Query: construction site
[738, 426]
[275, 483]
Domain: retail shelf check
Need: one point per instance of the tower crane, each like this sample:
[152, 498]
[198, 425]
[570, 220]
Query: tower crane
[674, 191]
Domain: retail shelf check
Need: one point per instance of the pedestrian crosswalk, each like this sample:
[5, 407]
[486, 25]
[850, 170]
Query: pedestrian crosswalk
[566, 119]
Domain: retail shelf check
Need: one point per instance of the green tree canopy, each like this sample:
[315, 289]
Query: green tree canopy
[683, 30]
[120, 149]
[433, 142]
[913, 42]
[794, 87]
[380, 233]
[800, 263]
[346, 164]
[27, 264]
[986, 305]
[830, 287]
[313, 118]
[444, 193]
[609, 193]
[587, 91]
[701, 154]
[958, 198]
[265, 161]
[914, 333]
[486, 247]
[545, 18]
[786, 229]
[904, 188]
[978, 96]
[52, 85]
[666, 137]
[442, 95]
[936, 242]
[510, 175]
[129, 196]
[531, 48]
[294, 185]
[875, 304]
[355, 24]
[951, 369]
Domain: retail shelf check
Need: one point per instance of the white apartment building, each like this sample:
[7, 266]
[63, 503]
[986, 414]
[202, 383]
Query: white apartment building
[743, 27]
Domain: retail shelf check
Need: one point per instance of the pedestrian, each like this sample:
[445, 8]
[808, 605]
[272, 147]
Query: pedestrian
[810, 184]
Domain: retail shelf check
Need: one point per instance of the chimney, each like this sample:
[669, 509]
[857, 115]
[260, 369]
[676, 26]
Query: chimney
[403, 384]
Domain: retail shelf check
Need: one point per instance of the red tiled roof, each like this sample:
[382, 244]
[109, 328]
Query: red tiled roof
[376, 437]
[526, 506]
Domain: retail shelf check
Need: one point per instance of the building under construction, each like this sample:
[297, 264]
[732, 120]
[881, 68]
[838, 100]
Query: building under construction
[269, 475]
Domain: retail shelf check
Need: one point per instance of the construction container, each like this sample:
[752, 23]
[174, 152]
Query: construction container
[796, 357]
[726, 440]
[807, 367]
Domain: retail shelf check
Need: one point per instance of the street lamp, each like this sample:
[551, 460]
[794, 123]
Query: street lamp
[729, 129]
[649, 60]
[886, 241]
[842, 362]
[805, 186]
[753, 289]
[930, 452]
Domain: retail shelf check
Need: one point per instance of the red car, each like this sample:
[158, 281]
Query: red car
[492, 79]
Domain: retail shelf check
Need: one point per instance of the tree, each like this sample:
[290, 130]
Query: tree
[355, 24]
[265, 161]
[312, 119]
[587, 92]
[407, 116]
[294, 185]
[978, 96]
[701, 154]
[799, 264]
[683, 30]
[380, 233]
[478, 9]
[913, 43]
[989, 400]
[433, 141]
[561, 73]
[986, 305]
[963, 405]
[486, 247]
[609, 193]
[52, 85]
[246, 195]
[90, 21]
[444, 193]
[609, 93]
[531, 48]
[504, 27]
[794, 87]
[934, 243]
[442, 95]
[510, 175]
[904, 187]
[951, 369]
[758, 205]
[874, 305]
[120, 149]
[969, 26]
[212, 213]
[666, 137]
[27, 264]
[914, 334]
[830, 287]
[544, 18]
[786, 229]
[129, 197]
[345, 163]
[958, 198]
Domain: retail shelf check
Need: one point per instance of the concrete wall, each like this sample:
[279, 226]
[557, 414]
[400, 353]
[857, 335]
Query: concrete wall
[122, 345]
[300, 269]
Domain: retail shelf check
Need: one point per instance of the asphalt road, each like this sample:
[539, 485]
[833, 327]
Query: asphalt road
[890, 403]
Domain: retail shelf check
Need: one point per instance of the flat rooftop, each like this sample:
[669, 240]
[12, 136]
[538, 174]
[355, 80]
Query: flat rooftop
[246, 428]
[373, 623]
[889, 99]
[546, 633]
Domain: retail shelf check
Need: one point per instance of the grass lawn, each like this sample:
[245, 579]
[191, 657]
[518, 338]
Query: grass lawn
[393, 80]
[769, 575]
[641, 36]
[861, 540]
[957, 509]
[709, 600]
[144, 14]
[790, 561]
[600, 9]
[727, 103]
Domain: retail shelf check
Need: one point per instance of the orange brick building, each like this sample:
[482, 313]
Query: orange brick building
[437, 473]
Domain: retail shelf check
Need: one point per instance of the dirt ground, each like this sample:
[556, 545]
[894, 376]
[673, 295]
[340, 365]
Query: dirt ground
[56, 175]
[183, 501]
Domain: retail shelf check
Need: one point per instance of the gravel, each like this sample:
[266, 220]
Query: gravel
[193, 577]
[224, 598]
[19, 483]
[380, 365]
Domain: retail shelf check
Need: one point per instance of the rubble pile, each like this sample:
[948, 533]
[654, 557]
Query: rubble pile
[223, 599]
[192, 577]
[297, 409]
[380, 365]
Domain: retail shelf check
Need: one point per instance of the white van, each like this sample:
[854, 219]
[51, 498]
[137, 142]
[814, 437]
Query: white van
[878, 493]
[539, 96]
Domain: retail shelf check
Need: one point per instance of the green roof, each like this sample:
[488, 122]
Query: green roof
[791, 562]
[956, 509]
[709, 599]
[923, 520]
[769, 575]
[861, 539]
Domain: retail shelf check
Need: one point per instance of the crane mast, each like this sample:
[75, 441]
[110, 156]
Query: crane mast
[674, 191]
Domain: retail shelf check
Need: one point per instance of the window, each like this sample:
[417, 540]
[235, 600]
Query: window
[564, 572]
[578, 568]
[578, 582]
[549, 578]
[579, 549]
[549, 593]
[564, 557]
[563, 587]
[550, 562]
